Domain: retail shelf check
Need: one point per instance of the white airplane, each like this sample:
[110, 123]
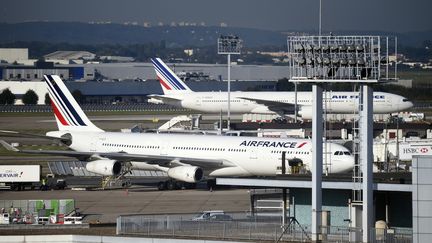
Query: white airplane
[177, 93]
[184, 157]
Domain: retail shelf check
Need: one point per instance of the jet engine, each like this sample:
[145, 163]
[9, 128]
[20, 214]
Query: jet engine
[189, 174]
[305, 112]
[105, 167]
[262, 110]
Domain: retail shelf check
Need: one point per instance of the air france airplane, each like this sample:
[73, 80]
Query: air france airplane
[177, 93]
[183, 157]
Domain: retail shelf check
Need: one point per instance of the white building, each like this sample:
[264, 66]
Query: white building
[11, 55]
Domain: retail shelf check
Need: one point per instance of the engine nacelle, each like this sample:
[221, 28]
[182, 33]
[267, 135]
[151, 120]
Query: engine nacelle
[190, 174]
[305, 112]
[105, 167]
[262, 110]
[155, 101]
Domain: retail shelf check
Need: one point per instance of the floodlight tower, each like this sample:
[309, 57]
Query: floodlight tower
[341, 59]
[227, 45]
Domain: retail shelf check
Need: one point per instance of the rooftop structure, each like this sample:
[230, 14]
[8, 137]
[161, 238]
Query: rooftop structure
[345, 58]
[70, 55]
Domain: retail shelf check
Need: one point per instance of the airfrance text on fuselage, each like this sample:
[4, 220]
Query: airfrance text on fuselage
[338, 97]
[268, 144]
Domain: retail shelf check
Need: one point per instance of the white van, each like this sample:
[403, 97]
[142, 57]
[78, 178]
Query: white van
[205, 215]
[4, 218]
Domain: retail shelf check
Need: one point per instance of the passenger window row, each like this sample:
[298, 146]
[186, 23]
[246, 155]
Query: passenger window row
[289, 152]
[129, 146]
[201, 149]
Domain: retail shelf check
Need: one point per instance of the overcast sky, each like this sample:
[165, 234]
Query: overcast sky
[390, 15]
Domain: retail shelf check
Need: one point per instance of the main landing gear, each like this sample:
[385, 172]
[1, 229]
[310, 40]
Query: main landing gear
[175, 185]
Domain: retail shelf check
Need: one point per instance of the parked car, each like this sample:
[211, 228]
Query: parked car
[205, 215]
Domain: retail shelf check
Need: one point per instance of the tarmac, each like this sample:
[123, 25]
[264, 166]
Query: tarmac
[104, 206]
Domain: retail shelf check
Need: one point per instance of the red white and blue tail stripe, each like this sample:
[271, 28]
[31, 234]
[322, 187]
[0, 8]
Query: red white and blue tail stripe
[68, 113]
[169, 81]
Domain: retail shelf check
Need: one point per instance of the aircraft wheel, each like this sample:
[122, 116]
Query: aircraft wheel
[162, 186]
[171, 185]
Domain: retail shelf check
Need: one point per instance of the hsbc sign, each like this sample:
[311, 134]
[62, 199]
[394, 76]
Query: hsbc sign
[419, 150]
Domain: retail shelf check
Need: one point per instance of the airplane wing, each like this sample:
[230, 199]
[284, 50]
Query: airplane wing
[163, 97]
[166, 161]
[5, 133]
[278, 107]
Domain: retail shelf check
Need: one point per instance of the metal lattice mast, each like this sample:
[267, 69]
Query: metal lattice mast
[227, 45]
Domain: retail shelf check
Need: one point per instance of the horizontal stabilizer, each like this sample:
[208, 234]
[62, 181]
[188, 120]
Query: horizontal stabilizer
[8, 146]
[5, 133]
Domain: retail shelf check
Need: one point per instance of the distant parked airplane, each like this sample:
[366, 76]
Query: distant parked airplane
[177, 93]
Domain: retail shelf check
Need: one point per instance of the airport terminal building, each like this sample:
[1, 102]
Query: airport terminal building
[106, 83]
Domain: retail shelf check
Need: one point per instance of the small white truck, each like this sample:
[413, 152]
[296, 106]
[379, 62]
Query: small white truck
[20, 177]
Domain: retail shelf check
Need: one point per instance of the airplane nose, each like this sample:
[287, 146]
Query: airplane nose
[409, 104]
[351, 163]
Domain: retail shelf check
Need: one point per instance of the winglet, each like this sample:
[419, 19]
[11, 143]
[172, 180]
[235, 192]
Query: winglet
[8, 146]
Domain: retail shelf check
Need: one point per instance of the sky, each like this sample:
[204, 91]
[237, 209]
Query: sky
[280, 15]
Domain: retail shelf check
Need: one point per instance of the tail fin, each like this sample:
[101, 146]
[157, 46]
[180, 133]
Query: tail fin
[170, 82]
[68, 113]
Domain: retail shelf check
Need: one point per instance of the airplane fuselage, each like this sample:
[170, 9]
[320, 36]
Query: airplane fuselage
[244, 156]
[334, 102]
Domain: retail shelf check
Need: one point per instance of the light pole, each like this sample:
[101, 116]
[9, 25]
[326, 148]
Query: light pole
[229, 44]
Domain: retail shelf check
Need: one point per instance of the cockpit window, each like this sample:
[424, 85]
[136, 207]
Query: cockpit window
[342, 153]
[405, 100]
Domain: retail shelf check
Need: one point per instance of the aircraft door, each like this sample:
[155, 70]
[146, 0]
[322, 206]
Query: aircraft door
[93, 144]
[253, 154]
[198, 101]
[164, 149]
[245, 102]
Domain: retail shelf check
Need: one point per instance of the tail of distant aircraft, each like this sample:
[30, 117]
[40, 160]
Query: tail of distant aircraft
[68, 113]
[170, 82]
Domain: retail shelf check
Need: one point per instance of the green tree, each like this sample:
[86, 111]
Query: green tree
[47, 99]
[78, 96]
[30, 98]
[284, 85]
[7, 97]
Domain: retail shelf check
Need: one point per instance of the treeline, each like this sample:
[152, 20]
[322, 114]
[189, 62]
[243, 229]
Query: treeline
[422, 53]
[204, 54]
[29, 98]
[143, 52]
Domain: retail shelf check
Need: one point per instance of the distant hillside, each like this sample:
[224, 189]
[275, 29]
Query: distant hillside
[84, 33]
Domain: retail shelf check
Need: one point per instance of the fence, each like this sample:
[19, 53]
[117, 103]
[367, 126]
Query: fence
[184, 226]
[244, 228]
[392, 235]
[94, 107]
